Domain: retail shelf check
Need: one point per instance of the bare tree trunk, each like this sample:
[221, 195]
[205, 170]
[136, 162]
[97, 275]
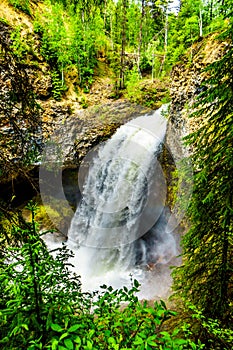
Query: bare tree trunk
[105, 10]
[153, 68]
[140, 37]
[165, 43]
[123, 44]
[200, 23]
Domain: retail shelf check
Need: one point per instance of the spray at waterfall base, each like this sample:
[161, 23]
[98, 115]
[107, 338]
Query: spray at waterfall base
[121, 226]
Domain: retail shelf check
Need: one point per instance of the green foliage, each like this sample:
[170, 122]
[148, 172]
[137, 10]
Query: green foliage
[83, 102]
[196, 18]
[58, 86]
[68, 41]
[145, 91]
[23, 5]
[42, 305]
[18, 46]
[132, 84]
[76, 33]
[4, 20]
[37, 289]
[215, 336]
[206, 278]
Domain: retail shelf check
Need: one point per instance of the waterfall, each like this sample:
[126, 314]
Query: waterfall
[119, 227]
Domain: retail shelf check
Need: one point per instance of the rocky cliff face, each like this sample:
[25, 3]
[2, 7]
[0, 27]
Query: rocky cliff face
[77, 132]
[187, 78]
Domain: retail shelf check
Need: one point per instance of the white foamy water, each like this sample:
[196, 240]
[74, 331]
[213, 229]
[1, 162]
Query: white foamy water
[120, 225]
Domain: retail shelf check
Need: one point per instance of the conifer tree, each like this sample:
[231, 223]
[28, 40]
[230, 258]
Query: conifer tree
[206, 278]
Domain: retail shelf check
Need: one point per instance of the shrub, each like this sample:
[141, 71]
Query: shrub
[43, 305]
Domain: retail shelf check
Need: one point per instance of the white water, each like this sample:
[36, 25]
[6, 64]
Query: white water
[120, 225]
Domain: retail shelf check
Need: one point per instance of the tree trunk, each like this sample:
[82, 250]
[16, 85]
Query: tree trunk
[123, 44]
[165, 42]
[200, 23]
[140, 36]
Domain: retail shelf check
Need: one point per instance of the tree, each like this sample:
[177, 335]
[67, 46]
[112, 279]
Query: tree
[140, 34]
[205, 276]
[123, 42]
[70, 35]
[36, 289]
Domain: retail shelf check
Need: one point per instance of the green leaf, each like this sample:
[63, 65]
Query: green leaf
[166, 335]
[89, 345]
[91, 333]
[56, 327]
[142, 335]
[136, 283]
[4, 340]
[54, 344]
[175, 332]
[74, 328]
[151, 342]
[138, 341]
[163, 304]
[111, 340]
[69, 344]
[77, 340]
[25, 326]
[180, 341]
[107, 332]
[152, 337]
[160, 312]
[64, 335]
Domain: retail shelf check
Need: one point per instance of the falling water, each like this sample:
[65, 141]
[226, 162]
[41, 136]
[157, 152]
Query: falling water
[120, 225]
